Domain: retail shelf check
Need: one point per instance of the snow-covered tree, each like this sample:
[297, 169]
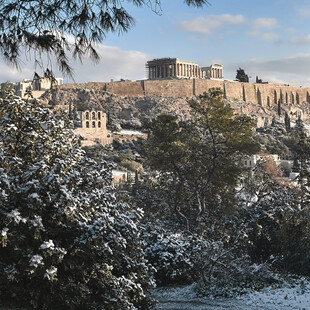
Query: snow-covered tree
[67, 243]
[200, 159]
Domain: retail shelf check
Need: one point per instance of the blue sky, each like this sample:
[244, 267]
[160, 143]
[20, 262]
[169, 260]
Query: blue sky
[270, 39]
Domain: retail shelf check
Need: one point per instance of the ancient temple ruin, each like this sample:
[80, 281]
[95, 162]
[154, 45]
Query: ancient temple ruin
[213, 72]
[165, 68]
[174, 68]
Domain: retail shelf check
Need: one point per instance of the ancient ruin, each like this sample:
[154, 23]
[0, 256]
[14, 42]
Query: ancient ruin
[265, 95]
[174, 68]
[92, 125]
[37, 86]
[163, 68]
[213, 72]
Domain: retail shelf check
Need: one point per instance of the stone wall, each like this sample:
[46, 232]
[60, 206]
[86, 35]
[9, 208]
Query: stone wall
[263, 94]
[169, 88]
[201, 86]
[126, 88]
[93, 127]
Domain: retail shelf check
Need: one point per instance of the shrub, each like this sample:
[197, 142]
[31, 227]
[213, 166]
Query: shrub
[67, 243]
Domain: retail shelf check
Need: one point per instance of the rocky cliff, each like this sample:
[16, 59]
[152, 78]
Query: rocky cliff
[131, 112]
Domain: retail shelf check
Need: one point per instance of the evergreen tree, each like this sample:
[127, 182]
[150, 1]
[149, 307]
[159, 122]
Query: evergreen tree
[241, 76]
[287, 121]
[200, 160]
[66, 242]
[279, 108]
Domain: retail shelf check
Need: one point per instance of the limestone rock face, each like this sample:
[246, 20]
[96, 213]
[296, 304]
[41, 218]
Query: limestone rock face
[131, 112]
[121, 112]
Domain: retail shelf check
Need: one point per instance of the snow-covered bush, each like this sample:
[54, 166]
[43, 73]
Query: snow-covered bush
[252, 278]
[67, 243]
[279, 228]
[181, 258]
[176, 256]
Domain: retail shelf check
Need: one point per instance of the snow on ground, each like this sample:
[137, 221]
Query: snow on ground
[118, 172]
[131, 132]
[287, 297]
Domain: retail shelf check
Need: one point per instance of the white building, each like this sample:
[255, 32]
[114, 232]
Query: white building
[38, 86]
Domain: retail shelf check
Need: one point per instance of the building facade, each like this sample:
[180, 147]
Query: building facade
[92, 125]
[38, 86]
[174, 68]
[213, 72]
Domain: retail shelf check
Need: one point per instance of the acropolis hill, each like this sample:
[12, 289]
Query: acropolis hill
[262, 94]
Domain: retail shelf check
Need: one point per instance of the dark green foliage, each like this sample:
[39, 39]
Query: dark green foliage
[241, 76]
[199, 160]
[279, 108]
[287, 121]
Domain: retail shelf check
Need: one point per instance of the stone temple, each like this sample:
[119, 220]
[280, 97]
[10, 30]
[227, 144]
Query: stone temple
[174, 68]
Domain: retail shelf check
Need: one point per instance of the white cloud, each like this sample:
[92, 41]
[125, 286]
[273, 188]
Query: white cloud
[293, 70]
[304, 12]
[270, 36]
[114, 63]
[253, 33]
[291, 30]
[265, 23]
[301, 40]
[206, 25]
[10, 73]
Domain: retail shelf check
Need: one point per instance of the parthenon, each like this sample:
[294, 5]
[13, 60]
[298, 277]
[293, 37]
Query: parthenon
[174, 68]
[163, 68]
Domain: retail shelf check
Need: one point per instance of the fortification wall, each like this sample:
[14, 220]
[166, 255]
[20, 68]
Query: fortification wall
[233, 90]
[126, 88]
[169, 88]
[201, 86]
[249, 92]
[263, 94]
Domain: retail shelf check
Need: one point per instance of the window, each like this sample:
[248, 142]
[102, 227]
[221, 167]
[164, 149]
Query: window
[93, 115]
[87, 115]
[99, 115]
[87, 124]
[93, 124]
[99, 124]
